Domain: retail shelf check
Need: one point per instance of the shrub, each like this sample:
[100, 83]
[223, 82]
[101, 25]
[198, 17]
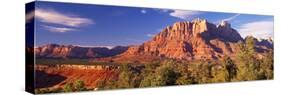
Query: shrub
[68, 87]
[79, 85]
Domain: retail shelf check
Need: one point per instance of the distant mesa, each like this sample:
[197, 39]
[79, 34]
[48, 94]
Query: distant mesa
[70, 51]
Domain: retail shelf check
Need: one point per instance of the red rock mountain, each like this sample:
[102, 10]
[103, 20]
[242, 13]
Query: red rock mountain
[70, 51]
[197, 39]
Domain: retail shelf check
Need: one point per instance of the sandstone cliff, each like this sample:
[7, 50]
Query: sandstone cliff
[189, 40]
[197, 39]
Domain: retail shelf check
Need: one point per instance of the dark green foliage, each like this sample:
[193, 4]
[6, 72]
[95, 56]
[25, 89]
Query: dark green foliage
[223, 72]
[201, 72]
[128, 78]
[165, 74]
[219, 74]
[244, 67]
[147, 80]
[266, 66]
[184, 77]
[229, 69]
[248, 68]
[125, 76]
[148, 74]
[102, 84]
[247, 65]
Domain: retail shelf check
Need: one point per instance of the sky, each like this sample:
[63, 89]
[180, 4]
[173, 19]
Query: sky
[99, 25]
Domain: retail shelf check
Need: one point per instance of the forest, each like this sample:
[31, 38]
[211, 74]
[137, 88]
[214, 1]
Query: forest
[245, 66]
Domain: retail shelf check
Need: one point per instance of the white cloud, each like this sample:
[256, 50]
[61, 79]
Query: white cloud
[58, 29]
[150, 35]
[258, 29]
[183, 14]
[143, 11]
[163, 10]
[54, 17]
[230, 18]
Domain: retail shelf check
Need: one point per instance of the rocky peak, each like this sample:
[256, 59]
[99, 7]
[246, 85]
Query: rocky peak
[268, 43]
[224, 24]
[198, 20]
[227, 33]
[196, 39]
[184, 30]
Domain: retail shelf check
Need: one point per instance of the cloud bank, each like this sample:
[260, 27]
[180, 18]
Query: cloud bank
[258, 29]
[54, 17]
[183, 14]
[58, 29]
[143, 11]
[230, 18]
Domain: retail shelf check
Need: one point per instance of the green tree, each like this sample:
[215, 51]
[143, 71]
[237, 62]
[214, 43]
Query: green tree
[109, 84]
[125, 77]
[147, 80]
[165, 75]
[148, 74]
[220, 73]
[201, 72]
[248, 68]
[161, 76]
[184, 74]
[231, 68]
[267, 66]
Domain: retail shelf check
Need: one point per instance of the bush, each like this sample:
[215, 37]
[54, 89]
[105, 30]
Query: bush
[184, 77]
[68, 87]
[267, 66]
[165, 75]
[125, 76]
[79, 85]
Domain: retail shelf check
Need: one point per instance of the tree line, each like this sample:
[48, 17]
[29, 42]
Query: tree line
[245, 66]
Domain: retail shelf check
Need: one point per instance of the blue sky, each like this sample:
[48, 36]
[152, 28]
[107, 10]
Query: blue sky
[95, 25]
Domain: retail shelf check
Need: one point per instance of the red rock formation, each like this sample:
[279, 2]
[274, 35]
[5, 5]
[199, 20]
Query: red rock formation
[69, 51]
[194, 40]
[197, 39]
[56, 77]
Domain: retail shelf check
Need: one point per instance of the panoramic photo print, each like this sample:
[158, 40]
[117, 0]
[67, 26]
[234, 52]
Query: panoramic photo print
[82, 47]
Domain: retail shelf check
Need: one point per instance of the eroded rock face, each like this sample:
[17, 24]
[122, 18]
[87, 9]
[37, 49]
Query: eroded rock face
[69, 51]
[197, 39]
